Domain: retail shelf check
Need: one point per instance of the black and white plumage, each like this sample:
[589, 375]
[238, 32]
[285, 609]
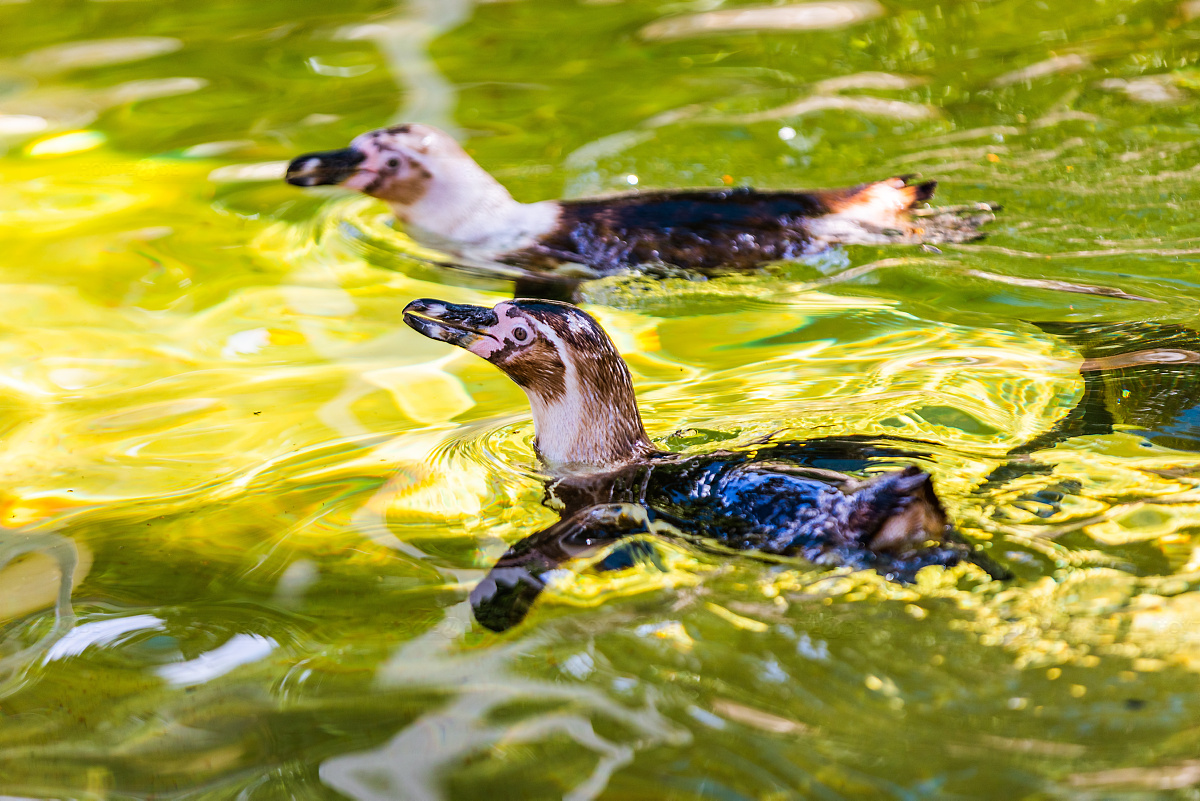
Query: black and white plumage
[449, 202]
[610, 482]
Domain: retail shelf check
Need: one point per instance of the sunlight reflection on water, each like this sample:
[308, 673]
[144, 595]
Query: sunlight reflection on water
[245, 504]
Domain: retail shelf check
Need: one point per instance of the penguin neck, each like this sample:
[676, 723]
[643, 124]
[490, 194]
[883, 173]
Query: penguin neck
[594, 422]
[466, 209]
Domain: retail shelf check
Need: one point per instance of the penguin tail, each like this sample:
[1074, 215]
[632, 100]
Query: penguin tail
[879, 201]
[888, 212]
[897, 512]
[903, 523]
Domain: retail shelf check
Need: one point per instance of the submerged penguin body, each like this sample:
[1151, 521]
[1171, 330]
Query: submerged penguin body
[777, 499]
[790, 499]
[774, 500]
[723, 230]
[449, 202]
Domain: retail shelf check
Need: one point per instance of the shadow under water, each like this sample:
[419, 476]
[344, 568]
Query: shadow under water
[1138, 376]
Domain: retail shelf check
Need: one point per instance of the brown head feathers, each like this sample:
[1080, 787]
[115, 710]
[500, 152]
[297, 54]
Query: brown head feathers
[580, 390]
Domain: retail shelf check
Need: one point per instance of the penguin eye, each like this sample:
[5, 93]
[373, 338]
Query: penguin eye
[520, 334]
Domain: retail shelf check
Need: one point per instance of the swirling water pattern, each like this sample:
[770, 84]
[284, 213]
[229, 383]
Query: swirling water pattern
[244, 504]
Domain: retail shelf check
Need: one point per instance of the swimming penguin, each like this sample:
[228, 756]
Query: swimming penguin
[610, 482]
[448, 202]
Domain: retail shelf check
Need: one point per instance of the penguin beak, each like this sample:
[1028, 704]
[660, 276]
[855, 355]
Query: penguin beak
[458, 324]
[322, 169]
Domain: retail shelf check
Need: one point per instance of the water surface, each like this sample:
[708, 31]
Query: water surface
[245, 503]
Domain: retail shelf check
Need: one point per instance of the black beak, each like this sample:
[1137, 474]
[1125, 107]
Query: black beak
[322, 169]
[458, 324]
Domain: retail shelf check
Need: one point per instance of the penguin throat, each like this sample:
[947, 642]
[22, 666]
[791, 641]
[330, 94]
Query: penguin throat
[594, 420]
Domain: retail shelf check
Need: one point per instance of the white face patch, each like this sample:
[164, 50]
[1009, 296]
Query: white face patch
[562, 427]
[507, 331]
[396, 164]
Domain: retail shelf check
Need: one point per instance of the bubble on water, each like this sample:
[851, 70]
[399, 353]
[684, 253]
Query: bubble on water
[245, 342]
[295, 581]
[579, 665]
[818, 650]
[67, 143]
[772, 671]
[17, 124]
[706, 717]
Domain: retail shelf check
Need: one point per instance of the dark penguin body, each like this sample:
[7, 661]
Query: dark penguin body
[786, 500]
[449, 202]
[707, 231]
[790, 499]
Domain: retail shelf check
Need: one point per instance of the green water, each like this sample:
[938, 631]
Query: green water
[273, 497]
